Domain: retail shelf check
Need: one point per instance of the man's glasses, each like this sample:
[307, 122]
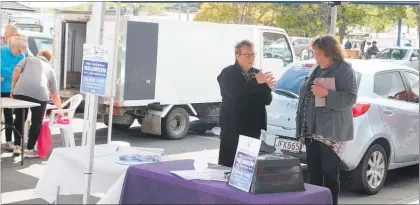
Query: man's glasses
[248, 55]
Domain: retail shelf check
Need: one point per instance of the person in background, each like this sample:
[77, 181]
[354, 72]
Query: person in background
[245, 93]
[347, 45]
[372, 51]
[362, 48]
[11, 54]
[408, 44]
[325, 129]
[34, 80]
[10, 30]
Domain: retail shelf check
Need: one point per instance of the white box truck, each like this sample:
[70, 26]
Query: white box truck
[167, 69]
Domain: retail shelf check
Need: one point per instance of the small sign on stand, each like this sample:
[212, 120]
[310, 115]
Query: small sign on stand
[244, 165]
[94, 69]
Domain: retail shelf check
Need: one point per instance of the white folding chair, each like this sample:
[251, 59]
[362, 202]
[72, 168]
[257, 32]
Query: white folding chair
[66, 129]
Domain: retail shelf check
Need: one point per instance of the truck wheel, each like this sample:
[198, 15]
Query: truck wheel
[120, 122]
[176, 124]
[369, 176]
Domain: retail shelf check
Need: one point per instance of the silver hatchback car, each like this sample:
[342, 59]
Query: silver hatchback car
[386, 120]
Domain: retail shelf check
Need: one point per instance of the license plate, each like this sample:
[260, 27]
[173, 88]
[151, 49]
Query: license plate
[287, 145]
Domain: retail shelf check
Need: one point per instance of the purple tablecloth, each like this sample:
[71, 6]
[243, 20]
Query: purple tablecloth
[154, 184]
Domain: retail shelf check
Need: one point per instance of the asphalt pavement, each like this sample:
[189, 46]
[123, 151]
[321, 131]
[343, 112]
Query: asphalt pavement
[18, 182]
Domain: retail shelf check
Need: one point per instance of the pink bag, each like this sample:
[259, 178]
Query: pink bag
[44, 140]
[62, 120]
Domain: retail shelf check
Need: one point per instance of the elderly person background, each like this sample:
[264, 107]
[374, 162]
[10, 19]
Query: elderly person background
[34, 80]
[10, 56]
[325, 129]
[245, 93]
[10, 30]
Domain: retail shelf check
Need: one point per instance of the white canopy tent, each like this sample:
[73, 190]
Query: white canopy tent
[98, 13]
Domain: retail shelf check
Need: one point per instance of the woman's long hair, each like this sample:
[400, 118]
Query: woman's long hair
[330, 46]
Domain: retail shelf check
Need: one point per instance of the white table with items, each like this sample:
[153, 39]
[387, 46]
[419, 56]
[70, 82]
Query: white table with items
[64, 174]
[16, 104]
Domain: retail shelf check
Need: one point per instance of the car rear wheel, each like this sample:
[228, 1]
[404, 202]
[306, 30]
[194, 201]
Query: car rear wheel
[369, 177]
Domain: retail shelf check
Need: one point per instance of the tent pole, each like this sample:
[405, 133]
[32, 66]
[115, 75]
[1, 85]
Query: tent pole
[114, 73]
[91, 101]
[418, 23]
[399, 32]
[333, 25]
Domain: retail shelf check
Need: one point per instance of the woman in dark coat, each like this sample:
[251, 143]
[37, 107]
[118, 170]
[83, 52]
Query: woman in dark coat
[245, 93]
[326, 127]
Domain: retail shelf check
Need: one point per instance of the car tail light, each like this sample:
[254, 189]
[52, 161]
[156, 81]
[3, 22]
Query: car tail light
[360, 109]
[308, 65]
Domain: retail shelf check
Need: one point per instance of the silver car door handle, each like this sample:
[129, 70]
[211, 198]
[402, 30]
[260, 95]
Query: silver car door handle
[388, 111]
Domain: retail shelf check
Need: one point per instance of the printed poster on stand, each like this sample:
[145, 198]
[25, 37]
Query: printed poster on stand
[94, 69]
[244, 164]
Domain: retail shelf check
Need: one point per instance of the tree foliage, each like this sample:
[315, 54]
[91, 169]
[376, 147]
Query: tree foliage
[304, 20]
[238, 13]
[382, 17]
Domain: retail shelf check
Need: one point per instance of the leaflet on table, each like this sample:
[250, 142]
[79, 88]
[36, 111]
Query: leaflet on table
[244, 164]
[132, 159]
[207, 174]
[138, 155]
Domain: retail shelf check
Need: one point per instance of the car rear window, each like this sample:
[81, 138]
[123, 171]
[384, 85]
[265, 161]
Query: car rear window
[393, 54]
[292, 79]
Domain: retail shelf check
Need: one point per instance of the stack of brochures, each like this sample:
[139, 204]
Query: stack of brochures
[131, 159]
[139, 155]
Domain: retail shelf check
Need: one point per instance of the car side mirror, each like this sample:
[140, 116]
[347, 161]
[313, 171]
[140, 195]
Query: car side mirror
[295, 43]
[304, 55]
[268, 55]
[52, 32]
[414, 58]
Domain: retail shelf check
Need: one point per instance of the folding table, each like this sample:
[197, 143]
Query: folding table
[16, 104]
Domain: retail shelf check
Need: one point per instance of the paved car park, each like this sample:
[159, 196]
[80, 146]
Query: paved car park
[18, 182]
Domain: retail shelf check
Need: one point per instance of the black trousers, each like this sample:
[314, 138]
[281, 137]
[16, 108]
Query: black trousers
[323, 167]
[8, 119]
[229, 144]
[36, 120]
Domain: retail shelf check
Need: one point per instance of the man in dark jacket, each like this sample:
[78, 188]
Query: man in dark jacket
[347, 45]
[245, 93]
[372, 51]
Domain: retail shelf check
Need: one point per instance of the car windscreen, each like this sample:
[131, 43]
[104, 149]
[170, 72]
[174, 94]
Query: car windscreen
[393, 54]
[292, 79]
[39, 43]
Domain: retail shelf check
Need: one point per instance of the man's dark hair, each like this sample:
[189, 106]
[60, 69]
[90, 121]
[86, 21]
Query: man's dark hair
[374, 42]
[241, 44]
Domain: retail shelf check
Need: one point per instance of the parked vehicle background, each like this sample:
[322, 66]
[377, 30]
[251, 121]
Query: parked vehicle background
[386, 120]
[36, 41]
[149, 58]
[408, 56]
[300, 43]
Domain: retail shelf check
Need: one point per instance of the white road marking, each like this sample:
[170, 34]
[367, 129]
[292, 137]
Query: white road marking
[414, 202]
[209, 138]
[409, 200]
